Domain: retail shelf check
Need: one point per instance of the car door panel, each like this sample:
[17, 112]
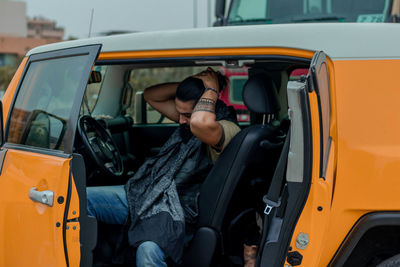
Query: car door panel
[315, 108]
[40, 204]
[28, 226]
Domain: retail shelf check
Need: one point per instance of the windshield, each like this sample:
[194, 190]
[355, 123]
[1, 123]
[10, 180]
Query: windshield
[296, 11]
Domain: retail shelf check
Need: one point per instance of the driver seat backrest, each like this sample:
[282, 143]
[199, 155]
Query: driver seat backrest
[247, 156]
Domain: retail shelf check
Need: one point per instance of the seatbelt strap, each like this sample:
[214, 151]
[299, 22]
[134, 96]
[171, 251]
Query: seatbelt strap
[273, 198]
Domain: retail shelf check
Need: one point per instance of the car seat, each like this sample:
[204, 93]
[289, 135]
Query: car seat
[251, 154]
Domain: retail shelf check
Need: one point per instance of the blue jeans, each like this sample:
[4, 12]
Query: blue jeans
[108, 204]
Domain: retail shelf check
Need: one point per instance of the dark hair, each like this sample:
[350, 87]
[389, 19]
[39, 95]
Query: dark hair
[193, 88]
[190, 89]
[222, 81]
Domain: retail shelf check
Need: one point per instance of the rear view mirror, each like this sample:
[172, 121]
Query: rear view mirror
[1, 125]
[95, 77]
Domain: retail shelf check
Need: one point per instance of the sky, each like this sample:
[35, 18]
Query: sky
[117, 15]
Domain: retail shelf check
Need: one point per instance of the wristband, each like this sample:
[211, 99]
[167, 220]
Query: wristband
[211, 89]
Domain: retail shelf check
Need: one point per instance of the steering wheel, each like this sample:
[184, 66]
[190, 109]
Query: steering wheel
[100, 146]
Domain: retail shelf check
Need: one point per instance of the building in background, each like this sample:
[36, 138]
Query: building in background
[42, 28]
[19, 34]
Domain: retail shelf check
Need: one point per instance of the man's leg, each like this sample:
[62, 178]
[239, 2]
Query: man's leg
[107, 203]
[150, 254]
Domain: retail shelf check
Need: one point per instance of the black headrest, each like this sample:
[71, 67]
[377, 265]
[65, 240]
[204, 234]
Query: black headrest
[260, 95]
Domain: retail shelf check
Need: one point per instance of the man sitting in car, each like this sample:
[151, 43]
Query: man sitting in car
[163, 193]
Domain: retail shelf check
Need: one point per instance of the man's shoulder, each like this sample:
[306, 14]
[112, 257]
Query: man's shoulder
[229, 126]
[230, 129]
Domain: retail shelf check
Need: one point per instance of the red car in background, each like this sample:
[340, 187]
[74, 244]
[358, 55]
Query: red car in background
[232, 94]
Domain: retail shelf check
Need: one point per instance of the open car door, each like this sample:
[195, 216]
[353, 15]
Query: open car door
[42, 197]
[303, 162]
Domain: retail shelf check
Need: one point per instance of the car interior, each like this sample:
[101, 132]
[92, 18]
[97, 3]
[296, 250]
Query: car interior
[117, 131]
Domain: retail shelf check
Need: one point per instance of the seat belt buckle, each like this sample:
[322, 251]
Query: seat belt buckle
[270, 205]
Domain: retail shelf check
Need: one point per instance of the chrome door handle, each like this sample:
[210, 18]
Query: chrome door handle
[45, 197]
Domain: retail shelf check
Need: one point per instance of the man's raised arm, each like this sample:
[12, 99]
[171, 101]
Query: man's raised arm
[203, 122]
[162, 98]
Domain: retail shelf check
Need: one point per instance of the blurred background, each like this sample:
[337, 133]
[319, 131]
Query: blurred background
[25, 24]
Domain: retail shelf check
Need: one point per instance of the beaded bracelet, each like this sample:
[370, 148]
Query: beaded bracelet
[212, 89]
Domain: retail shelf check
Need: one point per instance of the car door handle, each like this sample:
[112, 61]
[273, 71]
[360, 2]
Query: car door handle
[45, 197]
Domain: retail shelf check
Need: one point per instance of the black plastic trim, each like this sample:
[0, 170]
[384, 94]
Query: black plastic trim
[226, 18]
[325, 163]
[317, 62]
[44, 151]
[61, 50]
[3, 152]
[319, 58]
[65, 220]
[2, 139]
[389, 11]
[88, 225]
[365, 223]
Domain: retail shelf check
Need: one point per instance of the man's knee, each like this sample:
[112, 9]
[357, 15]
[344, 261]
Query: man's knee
[150, 254]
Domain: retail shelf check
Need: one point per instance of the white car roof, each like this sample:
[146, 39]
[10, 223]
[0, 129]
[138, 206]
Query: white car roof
[339, 41]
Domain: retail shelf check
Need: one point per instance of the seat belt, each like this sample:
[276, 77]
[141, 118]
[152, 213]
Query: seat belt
[272, 198]
[276, 198]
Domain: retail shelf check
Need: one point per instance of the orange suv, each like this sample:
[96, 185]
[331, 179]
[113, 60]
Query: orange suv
[329, 197]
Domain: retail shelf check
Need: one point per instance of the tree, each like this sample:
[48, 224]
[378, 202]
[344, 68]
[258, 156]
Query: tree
[6, 74]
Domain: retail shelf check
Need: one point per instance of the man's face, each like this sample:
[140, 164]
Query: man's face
[185, 109]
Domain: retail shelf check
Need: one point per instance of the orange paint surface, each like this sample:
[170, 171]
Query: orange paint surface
[364, 160]
[30, 236]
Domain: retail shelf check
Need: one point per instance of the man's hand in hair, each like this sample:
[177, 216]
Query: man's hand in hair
[209, 78]
[203, 123]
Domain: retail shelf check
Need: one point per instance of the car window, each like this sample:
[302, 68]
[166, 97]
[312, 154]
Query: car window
[325, 106]
[42, 108]
[319, 79]
[298, 11]
[140, 79]
[236, 84]
[232, 94]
